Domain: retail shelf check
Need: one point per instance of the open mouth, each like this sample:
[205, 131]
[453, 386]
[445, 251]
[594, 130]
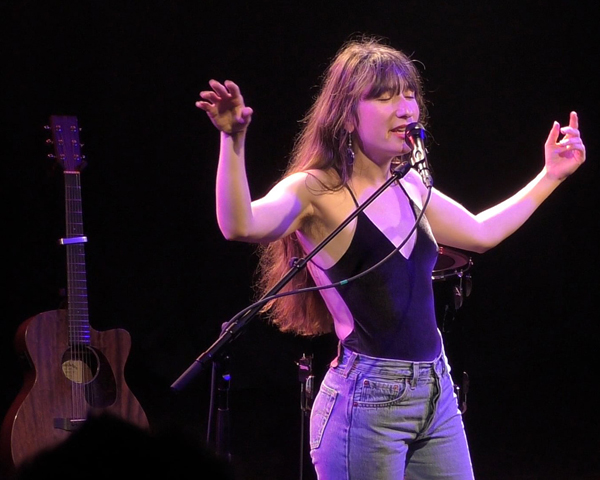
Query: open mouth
[399, 131]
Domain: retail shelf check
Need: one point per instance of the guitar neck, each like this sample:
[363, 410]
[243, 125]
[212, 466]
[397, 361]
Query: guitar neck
[65, 137]
[79, 325]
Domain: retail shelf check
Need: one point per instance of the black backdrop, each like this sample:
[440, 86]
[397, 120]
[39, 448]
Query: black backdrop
[496, 74]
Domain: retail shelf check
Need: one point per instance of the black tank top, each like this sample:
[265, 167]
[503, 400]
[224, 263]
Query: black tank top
[392, 306]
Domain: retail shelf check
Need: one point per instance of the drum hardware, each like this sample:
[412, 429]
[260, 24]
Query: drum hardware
[452, 284]
[463, 289]
[307, 394]
[461, 392]
[451, 263]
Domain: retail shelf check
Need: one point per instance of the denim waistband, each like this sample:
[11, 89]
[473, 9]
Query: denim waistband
[349, 361]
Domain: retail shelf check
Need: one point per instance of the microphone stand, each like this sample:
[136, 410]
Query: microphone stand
[234, 328]
[222, 435]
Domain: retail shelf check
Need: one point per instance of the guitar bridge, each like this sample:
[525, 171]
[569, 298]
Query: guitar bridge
[68, 424]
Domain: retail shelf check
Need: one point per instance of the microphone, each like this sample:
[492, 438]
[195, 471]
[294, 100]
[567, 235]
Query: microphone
[415, 137]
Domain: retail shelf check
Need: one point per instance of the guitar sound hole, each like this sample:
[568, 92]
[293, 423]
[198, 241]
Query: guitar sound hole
[87, 366]
[80, 364]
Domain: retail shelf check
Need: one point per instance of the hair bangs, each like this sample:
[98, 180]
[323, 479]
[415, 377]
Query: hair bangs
[392, 76]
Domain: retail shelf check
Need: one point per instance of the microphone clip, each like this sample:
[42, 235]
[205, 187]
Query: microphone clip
[415, 137]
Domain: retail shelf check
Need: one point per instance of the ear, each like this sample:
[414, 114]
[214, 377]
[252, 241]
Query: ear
[349, 127]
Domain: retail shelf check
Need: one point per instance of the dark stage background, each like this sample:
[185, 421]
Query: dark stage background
[497, 75]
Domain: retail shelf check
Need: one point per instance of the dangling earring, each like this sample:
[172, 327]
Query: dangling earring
[349, 150]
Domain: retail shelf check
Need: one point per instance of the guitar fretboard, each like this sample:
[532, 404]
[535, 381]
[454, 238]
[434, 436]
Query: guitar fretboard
[79, 325]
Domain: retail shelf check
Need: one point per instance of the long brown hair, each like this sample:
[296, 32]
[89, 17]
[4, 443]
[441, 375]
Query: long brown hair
[364, 67]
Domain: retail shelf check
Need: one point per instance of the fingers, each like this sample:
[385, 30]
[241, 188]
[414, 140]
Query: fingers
[225, 107]
[553, 135]
[220, 89]
[569, 132]
[207, 107]
[227, 90]
[246, 115]
[571, 144]
[209, 96]
[573, 128]
[573, 120]
[232, 88]
[572, 131]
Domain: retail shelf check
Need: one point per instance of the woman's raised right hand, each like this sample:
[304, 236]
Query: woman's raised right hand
[225, 107]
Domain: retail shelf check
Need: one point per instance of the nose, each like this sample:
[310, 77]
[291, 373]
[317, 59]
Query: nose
[404, 110]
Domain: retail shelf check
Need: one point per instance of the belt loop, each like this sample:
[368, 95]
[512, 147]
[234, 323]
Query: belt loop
[349, 364]
[415, 375]
[443, 366]
[352, 358]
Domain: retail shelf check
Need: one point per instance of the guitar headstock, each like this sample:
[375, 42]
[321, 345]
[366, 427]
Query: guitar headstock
[65, 138]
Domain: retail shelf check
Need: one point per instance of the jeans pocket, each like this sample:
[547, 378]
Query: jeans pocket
[374, 393]
[320, 413]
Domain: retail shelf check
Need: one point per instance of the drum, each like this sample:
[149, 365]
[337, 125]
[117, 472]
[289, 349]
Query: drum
[451, 283]
[450, 263]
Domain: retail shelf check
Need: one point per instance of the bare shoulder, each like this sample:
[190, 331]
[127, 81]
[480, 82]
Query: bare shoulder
[322, 181]
[324, 200]
[312, 183]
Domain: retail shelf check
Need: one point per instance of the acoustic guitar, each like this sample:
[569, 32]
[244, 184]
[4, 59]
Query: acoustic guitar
[71, 370]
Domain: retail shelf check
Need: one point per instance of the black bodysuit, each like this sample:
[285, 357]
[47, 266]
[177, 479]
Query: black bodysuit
[393, 306]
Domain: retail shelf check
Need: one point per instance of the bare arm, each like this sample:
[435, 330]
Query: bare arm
[453, 225]
[277, 213]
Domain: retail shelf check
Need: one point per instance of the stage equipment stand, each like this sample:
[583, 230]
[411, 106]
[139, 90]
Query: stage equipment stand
[307, 385]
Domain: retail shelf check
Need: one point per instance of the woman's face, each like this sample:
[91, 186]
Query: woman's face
[382, 124]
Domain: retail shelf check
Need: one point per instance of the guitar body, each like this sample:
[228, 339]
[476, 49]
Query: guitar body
[63, 385]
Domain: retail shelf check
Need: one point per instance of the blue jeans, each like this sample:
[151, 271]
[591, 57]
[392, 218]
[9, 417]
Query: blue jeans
[382, 419]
